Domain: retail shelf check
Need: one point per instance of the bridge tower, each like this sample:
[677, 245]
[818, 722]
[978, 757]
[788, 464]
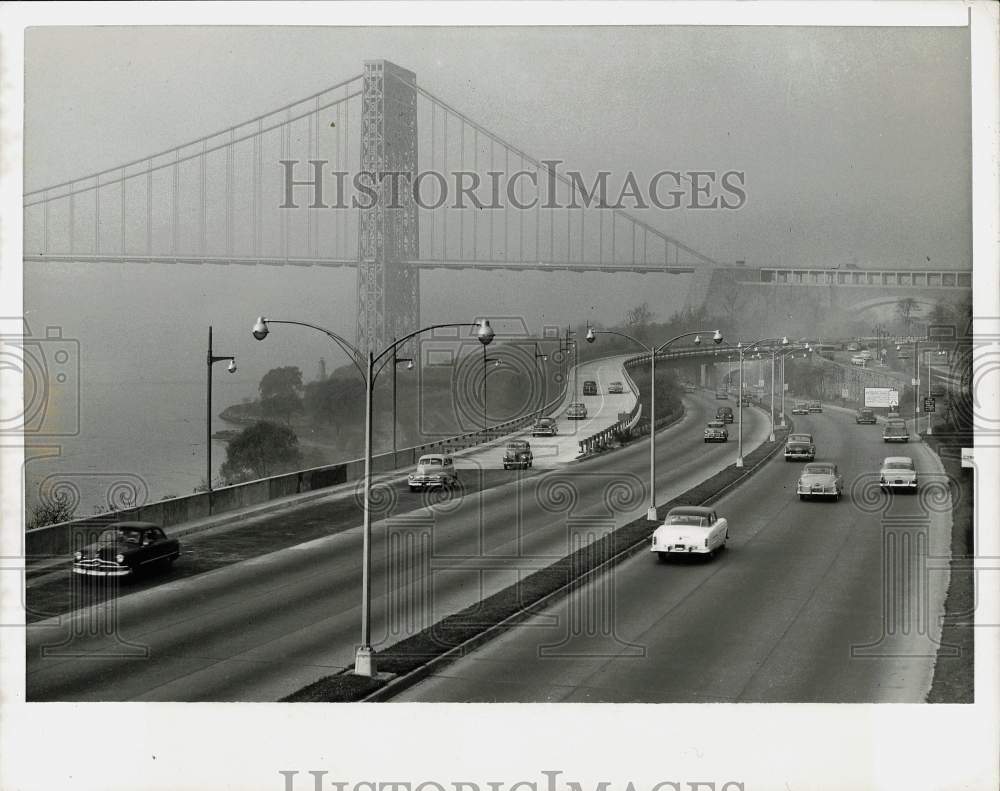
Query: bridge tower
[388, 288]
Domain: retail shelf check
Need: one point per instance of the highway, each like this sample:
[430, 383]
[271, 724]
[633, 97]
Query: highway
[811, 602]
[260, 629]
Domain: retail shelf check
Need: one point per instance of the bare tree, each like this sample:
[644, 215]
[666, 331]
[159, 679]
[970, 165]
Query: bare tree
[905, 309]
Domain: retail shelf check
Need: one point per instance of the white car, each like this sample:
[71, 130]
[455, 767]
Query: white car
[434, 471]
[898, 472]
[690, 530]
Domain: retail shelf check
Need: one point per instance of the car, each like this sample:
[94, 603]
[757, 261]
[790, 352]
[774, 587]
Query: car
[616, 388]
[895, 431]
[853, 347]
[859, 360]
[576, 412]
[865, 415]
[866, 354]
[545, 427]
[903, 355]
[590, 387]
[716, 431]
[721, 395]
[125, 549]
[800, 409]
[820, 479]
[815, 406]
[690, 530]
[434, 471]
[800, 447]
[893, 416]
[725, 414]
[690, 388]
[897, 472]
[937, 390]
[746, 401]
[517, 455]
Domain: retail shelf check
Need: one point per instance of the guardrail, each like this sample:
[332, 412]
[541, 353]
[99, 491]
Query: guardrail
[626, 423]
[63, 537]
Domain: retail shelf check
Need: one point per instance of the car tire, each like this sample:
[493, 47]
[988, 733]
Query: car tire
[802, 497]
[661, 557]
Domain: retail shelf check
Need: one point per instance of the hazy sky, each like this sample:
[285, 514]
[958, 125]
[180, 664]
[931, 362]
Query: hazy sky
[855, 143]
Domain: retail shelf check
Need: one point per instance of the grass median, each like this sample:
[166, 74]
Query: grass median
[460, 633]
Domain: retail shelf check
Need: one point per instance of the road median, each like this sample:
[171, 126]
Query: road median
[409, 661]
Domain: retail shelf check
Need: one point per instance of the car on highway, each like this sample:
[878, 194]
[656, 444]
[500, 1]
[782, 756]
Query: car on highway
[434, 471]
[716, 431]
[895, 431]
[125, 549]
[865, 415]
[616, 388]
[815, 406]
[859, 360]
[800, 447]
[576, 411]
[746, 400]
[853, 347]
[590, 387]
[725, 414]
[721, 395]
[689, 388]
[937, 390]
[893, 416]
[903, 355]
[800, 408]
[820, 479]
[688, 530]
[897, 472]
[517, 455]
[545, 427]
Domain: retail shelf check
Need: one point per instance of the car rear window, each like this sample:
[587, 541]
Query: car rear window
[818, 469]
[687, 519]
[899, 465]
[800, 438]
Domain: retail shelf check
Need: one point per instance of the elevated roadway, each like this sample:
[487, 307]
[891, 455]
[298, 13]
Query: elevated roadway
[260, 629]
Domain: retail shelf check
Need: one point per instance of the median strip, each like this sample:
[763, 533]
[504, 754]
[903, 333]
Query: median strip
[414, 658]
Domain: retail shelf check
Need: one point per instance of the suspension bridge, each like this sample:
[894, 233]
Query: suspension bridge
[282, 189]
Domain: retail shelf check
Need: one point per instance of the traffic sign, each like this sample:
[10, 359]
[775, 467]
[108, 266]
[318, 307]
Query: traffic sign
[928, 404]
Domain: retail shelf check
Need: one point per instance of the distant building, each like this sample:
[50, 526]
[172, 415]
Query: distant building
[321, 374]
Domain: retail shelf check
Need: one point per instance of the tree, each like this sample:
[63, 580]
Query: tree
[905, 308]
[260, 450]
[51, 512]
[638, 319]
[280, 392]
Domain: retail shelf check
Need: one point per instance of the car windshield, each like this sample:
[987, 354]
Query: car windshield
[716, 424]
[128, 535]
[691, 520]
[545, 421]
[800, 438]
[896, 424]
[430, 461]
[818, 469]
[516, 445]
[899, 465]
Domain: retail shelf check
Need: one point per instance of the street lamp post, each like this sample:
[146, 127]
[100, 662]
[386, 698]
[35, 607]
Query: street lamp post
[409, 366]
[742, 351]
[211, 360]
[496, 364]
[653, 351]
[364, 659]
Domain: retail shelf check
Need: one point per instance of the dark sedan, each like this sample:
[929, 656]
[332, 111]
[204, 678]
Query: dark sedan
[125, 549]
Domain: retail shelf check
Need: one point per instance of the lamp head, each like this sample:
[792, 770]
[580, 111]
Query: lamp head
[232, 366]
[260, 329]
[591, 335]
[409, 365]
[545, 358]
[485, 332]
[717, 337]
[784, 340]
[496, 363]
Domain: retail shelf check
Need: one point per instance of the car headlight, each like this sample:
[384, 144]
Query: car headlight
[119, 558]
[78, 555]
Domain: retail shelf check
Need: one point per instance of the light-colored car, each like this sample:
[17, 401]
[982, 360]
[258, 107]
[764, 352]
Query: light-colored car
[898, 472]
[820, 479]
[616, 388]
[895, 431]
[857, 359]
[434, 471]
[690, 530]
[800, 409]
[689, 388]
[716, 431]
[815, 406]
[545, 427]
[576, 412]
[800, 447]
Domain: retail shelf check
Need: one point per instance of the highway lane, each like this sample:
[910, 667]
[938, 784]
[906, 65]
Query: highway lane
[260, 629]
[602, 411]
[811, 602]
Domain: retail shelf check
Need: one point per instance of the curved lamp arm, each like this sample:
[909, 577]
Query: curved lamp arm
[352, 351]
